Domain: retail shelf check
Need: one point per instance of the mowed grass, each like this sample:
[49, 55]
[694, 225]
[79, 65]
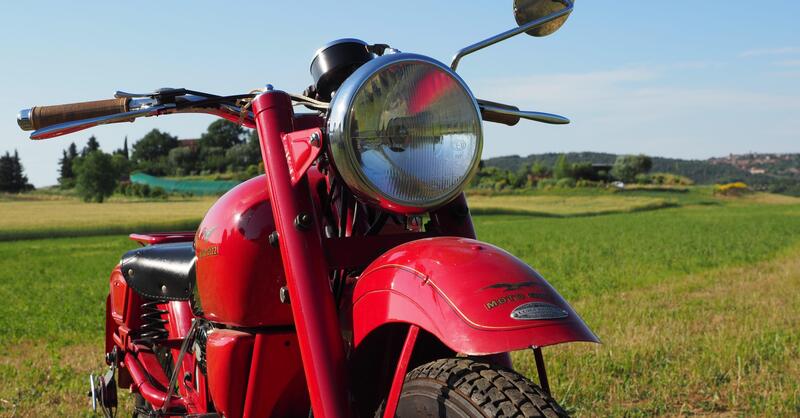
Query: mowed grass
[697, 307]
[725, 342]
[693, 319]
[53, 295]
[67, 217]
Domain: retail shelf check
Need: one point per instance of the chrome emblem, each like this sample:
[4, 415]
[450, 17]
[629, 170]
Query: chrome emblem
[537, 310]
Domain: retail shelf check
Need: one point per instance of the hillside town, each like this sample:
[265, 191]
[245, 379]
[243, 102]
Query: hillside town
[758, 163]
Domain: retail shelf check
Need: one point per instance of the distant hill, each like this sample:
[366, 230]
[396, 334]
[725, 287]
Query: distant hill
[772, 172]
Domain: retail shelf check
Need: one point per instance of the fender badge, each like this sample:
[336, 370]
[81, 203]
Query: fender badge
[537, 310]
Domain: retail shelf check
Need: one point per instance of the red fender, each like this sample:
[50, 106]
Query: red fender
[464, 292]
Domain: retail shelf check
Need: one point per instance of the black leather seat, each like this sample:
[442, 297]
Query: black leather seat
[163, 271]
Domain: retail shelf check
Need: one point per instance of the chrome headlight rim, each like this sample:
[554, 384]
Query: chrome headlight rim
[344, 157]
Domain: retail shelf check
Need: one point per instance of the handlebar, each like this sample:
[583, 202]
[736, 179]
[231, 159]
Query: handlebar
[490, 112]
[40, 117]
[51, 121]
[510, 115]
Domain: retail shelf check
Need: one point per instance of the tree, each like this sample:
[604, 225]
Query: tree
[124, 150]
[91, 146]
[183, 160]
[65, 168]
[12, 176]
[122, 166]
[66, 173]
[223, 134]
[626, 167]
[244, 155]
[96, 176]
[213, 159]
[153, 146]
[539, 170]
[583, 171]
[562, 169]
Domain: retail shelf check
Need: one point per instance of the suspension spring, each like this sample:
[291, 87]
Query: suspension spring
[153, 329]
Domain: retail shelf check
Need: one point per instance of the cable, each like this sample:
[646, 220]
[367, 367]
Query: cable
[378, 224]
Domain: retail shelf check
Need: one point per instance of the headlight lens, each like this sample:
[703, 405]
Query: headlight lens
[405, 132]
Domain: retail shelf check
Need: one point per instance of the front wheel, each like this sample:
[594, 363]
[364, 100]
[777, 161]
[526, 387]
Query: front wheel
[460, 387]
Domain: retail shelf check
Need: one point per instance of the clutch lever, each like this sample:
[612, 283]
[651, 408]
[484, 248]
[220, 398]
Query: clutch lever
[510, 115]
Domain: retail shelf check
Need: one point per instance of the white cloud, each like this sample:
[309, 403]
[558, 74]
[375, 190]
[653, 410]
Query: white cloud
[786, 50]
[640, 109]
[788, 63]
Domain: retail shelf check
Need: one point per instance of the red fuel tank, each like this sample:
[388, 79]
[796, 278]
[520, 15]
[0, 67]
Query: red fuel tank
[239, 274]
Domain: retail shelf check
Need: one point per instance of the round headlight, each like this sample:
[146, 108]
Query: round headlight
[405, 132]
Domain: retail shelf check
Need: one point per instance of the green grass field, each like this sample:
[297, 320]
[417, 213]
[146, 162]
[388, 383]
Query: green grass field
[697, 301]
[49, 217]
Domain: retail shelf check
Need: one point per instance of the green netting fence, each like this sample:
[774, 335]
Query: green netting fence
[196, 187]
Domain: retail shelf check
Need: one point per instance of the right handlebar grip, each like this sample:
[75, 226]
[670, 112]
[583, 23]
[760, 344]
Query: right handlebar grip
[44, 116]
[492, 116]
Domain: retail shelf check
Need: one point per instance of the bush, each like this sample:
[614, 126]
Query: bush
[731, 189]
[669, 179]
[157, 192]
[546, 184]
[643, 179]
[142, 190]
[96, 176]
[626, 167]
[589, 183]
[565, 183]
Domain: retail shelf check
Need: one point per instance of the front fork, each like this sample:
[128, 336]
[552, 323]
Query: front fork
[313, 309]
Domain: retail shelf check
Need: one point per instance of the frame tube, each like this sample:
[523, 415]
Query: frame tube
[316, 320]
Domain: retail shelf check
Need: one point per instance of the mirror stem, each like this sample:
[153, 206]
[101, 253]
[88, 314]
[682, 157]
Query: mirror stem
[509, 33]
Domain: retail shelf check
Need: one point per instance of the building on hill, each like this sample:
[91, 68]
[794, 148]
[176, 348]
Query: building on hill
[192, 143]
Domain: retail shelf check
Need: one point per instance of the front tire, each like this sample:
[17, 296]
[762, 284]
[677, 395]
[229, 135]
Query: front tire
[461, 387]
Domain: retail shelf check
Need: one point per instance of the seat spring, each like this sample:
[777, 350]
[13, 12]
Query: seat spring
[153, 329]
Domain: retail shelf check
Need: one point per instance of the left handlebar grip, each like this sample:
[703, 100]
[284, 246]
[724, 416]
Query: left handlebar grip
[43, 116]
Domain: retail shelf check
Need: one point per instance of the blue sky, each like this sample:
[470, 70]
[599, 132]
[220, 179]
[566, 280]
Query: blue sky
[680, 78]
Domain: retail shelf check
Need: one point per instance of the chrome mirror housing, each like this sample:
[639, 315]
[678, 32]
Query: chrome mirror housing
[526, 11]
[535, 17]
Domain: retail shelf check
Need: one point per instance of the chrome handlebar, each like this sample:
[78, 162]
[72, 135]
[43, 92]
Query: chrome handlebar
[139, 105]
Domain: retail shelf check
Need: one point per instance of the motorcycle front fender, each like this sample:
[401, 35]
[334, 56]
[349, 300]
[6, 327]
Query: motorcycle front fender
[474, 297]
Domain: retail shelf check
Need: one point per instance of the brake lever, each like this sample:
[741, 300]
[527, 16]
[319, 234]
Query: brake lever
[162, 92]
[510, 115]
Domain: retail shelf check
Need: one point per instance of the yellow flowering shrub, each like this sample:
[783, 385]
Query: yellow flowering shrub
[731, 189]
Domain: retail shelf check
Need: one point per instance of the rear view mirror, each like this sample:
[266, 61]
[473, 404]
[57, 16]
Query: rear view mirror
[526, 11]
[534, 17]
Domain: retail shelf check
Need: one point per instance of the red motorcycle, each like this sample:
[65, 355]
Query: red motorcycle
[347, 281]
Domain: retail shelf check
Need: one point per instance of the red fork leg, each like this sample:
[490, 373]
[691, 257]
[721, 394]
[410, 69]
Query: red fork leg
[400, 372]
[315, 316]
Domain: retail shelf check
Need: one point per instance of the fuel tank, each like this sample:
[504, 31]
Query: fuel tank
[239, 274]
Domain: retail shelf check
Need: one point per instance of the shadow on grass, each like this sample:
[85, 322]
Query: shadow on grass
[16, 235]
[191, 225]
[523, 212]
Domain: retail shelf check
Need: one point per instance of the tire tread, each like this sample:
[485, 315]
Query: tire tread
[497, 391]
